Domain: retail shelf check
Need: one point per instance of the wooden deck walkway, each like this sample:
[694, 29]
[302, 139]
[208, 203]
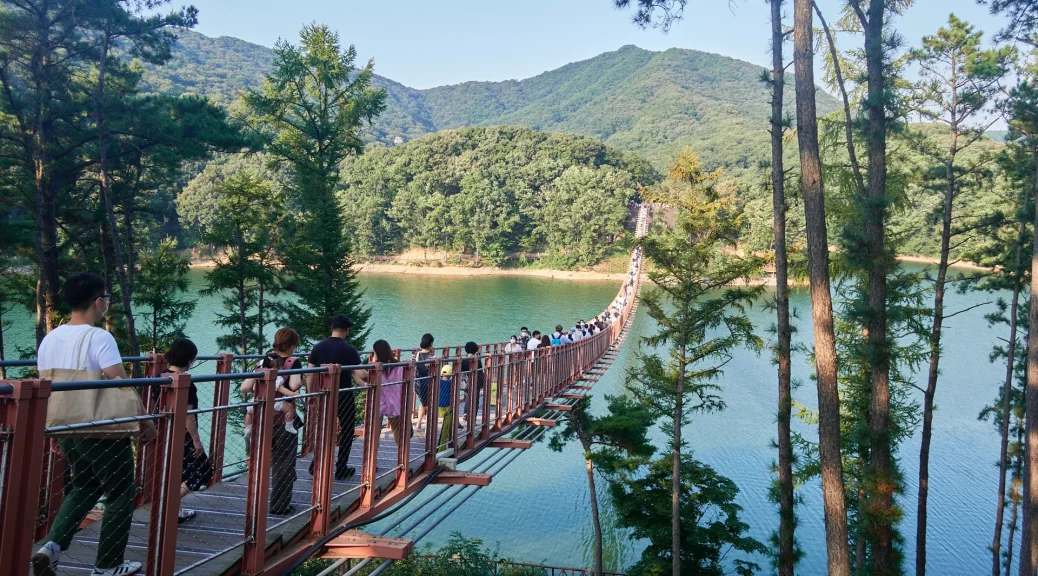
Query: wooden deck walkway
[211, 542]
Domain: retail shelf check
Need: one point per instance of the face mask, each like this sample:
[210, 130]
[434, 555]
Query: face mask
[512, 340]
[105, 307]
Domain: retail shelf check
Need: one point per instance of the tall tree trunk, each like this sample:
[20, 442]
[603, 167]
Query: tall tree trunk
[1007, 407]
[595, 519]
[46, 238]
[675, 473]
[838, 552]
[881, 500]
[935, 346]
[1029, 528]
[1013, 517]
[3, 356]
[259, 317]
[125, 290]
[787, 520]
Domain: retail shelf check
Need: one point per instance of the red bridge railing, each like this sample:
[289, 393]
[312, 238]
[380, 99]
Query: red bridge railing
[517, 387]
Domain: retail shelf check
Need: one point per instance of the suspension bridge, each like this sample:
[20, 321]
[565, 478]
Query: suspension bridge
[234, 531]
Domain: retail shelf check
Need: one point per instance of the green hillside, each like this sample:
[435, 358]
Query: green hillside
[651, 103]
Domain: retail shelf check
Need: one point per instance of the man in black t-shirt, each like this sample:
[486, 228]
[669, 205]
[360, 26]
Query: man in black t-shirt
[336, 350]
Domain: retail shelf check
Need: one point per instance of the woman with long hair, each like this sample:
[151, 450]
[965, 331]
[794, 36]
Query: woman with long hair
[392, 394]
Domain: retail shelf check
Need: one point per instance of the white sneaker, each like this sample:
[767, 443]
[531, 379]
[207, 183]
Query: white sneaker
[290, 428]
[124, 569]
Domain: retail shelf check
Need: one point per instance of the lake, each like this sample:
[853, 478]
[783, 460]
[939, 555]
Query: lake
[536, 509]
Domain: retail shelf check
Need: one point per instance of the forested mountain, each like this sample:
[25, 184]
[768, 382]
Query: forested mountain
[492, 191]
[652, 103]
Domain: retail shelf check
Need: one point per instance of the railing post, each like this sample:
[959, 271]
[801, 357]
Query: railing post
[372, 435]
[406, 407]
[52, 484]
[489, 371]
[258, 495]
[218, 424]
[432, 435]
[147, 481]
[169, 452]
[22, 419]
[325, 419]
[455, 406]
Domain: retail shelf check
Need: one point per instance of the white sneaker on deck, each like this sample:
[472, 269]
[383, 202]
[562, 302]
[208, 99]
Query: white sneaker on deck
[124, 569]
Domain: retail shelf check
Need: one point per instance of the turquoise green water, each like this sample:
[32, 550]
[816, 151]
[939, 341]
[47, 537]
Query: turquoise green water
[536, 509]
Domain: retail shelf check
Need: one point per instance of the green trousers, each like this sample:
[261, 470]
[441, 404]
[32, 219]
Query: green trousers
[445, 428]
[99, 467]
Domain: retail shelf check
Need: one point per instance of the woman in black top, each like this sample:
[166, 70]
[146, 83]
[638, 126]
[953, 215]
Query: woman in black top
[198, 472]
[422, 377]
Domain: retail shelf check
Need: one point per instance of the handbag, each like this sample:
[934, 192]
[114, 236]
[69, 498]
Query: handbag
[79, 406]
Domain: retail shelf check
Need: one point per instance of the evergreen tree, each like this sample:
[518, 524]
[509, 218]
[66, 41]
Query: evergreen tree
[959, 80]
[311, 108]
[607, 441]
[248, 217]
[786, 553]
[701, 315]
[161, 284]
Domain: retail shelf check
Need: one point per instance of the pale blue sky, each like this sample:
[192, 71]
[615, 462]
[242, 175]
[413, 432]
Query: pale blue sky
[421, 43]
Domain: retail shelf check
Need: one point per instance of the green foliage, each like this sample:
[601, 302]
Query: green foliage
[489, 192]
[197, 201]
[310, 109]
[248, 217]
[710, 523]
[159, 295]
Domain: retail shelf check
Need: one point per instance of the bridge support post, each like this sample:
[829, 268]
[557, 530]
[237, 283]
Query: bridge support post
[146, 459]
[168, 454]
[218, 429]
[257, 499]
[406, 409]
[432, 434]
[23, 415]
[372, 435]
[324, 419]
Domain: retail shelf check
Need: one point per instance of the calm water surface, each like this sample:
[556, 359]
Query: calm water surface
[536, 509]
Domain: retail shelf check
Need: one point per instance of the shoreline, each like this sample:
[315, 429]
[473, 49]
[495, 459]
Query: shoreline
[576, 275]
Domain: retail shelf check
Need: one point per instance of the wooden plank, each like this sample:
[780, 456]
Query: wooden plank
[569, 396]
[540, 422]
[458, 477]
[580, 387]
[559, 407]
[357, 544]
[510, 443]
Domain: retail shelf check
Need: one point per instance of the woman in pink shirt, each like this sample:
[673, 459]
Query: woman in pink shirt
[391, 400]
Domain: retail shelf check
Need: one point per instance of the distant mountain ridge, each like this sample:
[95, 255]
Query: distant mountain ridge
[650, 103]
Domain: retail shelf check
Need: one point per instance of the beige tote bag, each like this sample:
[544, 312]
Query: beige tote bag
[79, 406]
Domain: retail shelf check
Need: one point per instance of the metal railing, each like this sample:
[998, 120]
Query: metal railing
[488, 394]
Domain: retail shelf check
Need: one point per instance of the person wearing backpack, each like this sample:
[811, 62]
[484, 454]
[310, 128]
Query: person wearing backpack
[556, 336]
[524, 337]
[101, 459]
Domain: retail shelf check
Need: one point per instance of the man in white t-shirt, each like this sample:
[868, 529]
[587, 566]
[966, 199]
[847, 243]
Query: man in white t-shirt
[99, 466]
[535, 340]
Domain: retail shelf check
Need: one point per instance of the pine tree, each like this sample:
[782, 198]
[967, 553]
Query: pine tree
[701, 314]
[311, 108]
[161, 284]
[608, 442]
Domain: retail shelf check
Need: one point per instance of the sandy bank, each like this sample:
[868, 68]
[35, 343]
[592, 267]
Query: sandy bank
[369, 268]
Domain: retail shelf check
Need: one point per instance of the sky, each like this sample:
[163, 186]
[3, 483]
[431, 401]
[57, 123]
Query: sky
[422, 44]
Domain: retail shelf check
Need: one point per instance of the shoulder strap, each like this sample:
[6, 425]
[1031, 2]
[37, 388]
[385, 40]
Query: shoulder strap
[81, 351]
[289, 362]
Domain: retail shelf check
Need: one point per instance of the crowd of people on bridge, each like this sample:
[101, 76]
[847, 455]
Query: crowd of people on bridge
[104, 466]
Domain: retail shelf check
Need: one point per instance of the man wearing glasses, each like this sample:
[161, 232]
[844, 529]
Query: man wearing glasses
[100, 465]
